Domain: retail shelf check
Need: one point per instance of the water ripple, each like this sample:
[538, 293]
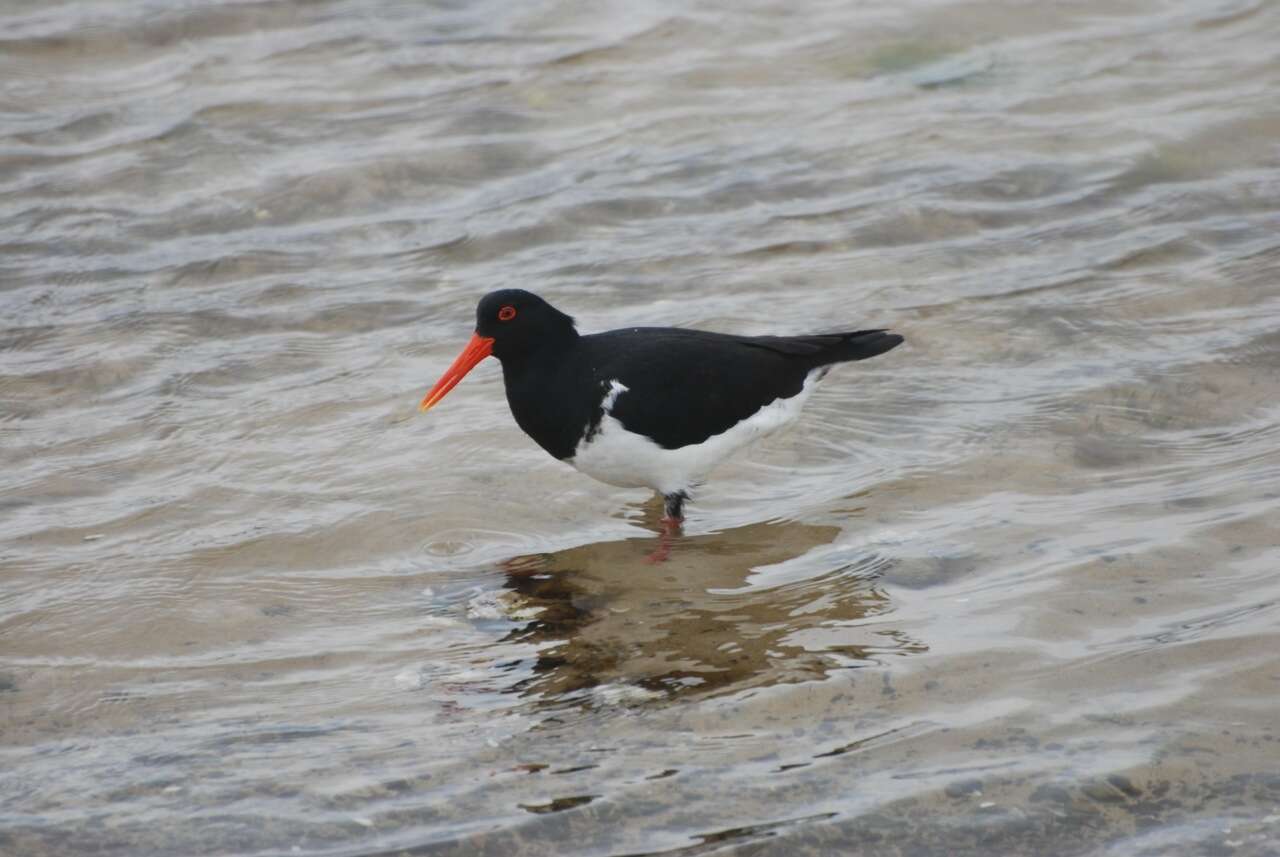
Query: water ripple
[1014, 582]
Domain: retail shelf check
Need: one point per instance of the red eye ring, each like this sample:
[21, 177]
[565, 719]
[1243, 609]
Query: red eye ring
[506, 313]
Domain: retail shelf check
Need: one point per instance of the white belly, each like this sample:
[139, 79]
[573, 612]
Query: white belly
[618, 457]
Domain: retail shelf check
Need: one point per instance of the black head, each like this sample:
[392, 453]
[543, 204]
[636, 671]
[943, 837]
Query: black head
[510, 323]
[520, 322]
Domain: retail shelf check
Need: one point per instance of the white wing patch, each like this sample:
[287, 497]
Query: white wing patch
[616, 389]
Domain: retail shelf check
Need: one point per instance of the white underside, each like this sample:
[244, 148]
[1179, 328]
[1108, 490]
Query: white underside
[618, 457]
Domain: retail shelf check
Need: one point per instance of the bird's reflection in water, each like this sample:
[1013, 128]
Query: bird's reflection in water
[607, 618]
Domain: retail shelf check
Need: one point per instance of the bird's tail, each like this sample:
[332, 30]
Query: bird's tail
[859, 345]
[823, 349]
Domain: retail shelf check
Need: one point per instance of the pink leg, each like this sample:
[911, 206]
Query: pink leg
[671, 528]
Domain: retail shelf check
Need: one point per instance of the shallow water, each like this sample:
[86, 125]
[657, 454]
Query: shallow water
[1012, 588]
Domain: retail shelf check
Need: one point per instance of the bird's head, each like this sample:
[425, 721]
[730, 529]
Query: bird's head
[510, 324]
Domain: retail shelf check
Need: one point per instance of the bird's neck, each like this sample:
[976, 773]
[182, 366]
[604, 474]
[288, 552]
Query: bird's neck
[549, 394]
[546, 350]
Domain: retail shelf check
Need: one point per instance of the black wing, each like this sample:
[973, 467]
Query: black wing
[684, 386]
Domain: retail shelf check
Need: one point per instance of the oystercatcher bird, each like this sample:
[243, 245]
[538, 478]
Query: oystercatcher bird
[653, 407]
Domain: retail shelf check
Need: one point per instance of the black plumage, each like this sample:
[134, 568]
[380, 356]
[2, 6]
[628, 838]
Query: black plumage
[682, 387]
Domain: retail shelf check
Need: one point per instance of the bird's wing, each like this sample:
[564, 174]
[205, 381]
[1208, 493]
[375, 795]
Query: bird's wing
[684, 386]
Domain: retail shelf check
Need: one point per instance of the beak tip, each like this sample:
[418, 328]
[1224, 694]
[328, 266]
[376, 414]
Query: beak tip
[477, 349]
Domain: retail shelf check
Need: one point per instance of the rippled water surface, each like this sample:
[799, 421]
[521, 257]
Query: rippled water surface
[1012, 588]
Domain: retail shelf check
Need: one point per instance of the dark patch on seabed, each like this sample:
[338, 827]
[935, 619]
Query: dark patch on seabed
[605, 616]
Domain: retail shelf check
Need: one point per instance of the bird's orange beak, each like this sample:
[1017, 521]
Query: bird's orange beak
[477, 349]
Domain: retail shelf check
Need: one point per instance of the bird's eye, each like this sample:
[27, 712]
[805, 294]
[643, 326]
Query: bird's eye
[506, 313]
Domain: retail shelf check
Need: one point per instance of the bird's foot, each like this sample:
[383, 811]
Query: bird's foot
[671, 529]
